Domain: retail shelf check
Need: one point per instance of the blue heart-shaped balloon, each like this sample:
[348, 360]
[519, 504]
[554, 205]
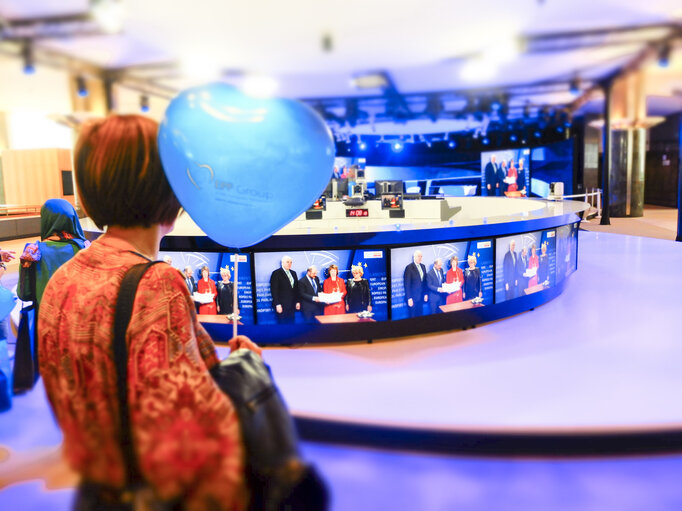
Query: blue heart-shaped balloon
[243, 167]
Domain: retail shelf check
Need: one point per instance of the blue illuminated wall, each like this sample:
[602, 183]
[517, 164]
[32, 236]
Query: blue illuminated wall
[401, 257]
[373, 263]
[549, 164]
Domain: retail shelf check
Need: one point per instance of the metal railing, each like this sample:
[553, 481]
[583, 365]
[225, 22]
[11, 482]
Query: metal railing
[19, 209]
[593, 198]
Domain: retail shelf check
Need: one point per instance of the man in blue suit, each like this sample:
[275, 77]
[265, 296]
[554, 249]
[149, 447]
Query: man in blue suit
[308, 289]
[434, 285]
[509, 272]
[490, 173]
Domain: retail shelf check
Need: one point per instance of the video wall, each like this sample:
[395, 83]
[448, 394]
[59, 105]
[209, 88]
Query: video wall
[372, 264]
[421, 279]
[192, 262]
[505, 173]
[525, 264]
[448, 273]
[567, 251]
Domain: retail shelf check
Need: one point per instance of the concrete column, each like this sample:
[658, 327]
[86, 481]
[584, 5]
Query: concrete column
[626, 175]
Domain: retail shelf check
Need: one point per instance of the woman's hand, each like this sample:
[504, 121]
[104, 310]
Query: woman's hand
[241, 341]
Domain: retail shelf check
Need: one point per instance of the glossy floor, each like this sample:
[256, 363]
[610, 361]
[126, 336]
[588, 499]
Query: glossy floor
[603, 354]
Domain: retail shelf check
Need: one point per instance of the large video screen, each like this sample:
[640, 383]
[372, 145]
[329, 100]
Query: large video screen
[505, 173]
[193, 262]
[348, 294]
[525, 263]
[552, 164]
[465, 273]
[566, 251]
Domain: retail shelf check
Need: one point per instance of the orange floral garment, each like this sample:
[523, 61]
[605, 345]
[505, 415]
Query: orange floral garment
[186, 431]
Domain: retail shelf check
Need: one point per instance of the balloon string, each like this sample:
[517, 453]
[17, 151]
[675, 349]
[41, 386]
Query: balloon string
[235, 295]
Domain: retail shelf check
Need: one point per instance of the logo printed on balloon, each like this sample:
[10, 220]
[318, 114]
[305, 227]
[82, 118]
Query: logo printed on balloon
[243, 167]
[189, 175]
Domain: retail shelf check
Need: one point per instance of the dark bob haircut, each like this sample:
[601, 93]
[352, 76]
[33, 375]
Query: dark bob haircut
[119, 174]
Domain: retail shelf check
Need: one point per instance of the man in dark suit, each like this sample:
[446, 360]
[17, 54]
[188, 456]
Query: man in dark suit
[434, 284]
[284, 290]
[521, 267]
[521, 178]
[308, 288]
[491, 184]
[509, 271]
[414, 279]
[189, 280]
[501, 174]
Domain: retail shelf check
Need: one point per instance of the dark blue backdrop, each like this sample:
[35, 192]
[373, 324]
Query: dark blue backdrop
[215, 261]
[524, 240]
[373, 263]
[401, 257]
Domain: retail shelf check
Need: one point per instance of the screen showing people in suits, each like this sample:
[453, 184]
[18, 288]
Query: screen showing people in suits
[566, 250]
[551, 164]
[217, 263]
[424, 278]
[525, 264]
[322, 282]
[505, 173]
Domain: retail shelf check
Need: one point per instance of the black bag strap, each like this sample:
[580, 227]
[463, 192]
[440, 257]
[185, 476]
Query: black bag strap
[124, 309]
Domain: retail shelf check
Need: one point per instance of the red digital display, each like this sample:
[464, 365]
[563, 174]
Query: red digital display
[357, 212]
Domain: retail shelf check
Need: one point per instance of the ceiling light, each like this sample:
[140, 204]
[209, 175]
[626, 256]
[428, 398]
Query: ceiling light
[108, 14]
[574, 86]
[664, 55]
[81, 86]
[144, 103]
[259, 86]
[27, 57]
[478, 69]
[375, 80]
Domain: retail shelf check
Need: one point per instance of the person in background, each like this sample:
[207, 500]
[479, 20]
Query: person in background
[61, 238]
[284, 290]
[334, 284]
[7, 255]
[521, 178]
[501, 174]
[512, 174]
[205, 286]
[226, 293]
[521, 267]
[308, 288]
[543, 265]
[509, 273]
[472, 280]
[177, 412]
[434, 284]
[189, 279]
[533, 263]
[168, 259]
[414, 278]
[358, 297]
[454, 275]
[490, 173]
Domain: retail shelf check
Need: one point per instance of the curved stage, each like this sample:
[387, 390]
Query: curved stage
[594, 371]
[483, 227]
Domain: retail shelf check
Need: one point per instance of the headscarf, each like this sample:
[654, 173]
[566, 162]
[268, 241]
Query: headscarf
[59, 218]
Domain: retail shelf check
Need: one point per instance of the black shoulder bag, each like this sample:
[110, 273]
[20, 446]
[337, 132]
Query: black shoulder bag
[278, 479]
